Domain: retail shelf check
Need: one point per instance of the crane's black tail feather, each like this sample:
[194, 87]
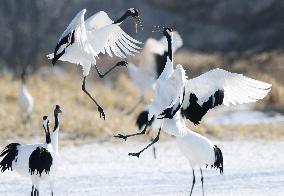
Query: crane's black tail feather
[218, 164]
[9, 154]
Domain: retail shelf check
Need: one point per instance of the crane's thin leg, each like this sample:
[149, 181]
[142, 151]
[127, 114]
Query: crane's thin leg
[131, 135]
[32, 193]
[100, 109]
[154, 148]
[51, 184]
[35, 192]
[202, 181]
[120, 63]
[153, 142]
[193, 181]
[136, 105]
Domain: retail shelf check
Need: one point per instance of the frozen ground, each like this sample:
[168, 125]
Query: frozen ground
[252, 168]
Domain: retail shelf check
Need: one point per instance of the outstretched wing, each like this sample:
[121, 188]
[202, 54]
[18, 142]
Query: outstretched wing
[106, 37]
[113, 40]
[218, 87]
[75, 42]
[98, 20]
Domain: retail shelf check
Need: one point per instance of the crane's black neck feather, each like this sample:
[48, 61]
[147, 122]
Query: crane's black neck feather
[161, 61]
[123, 17]
[170, 51]
[47, 134]
[56, 123]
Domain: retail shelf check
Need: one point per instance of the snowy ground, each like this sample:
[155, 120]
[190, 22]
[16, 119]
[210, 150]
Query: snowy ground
[254, 168]
[242, 115]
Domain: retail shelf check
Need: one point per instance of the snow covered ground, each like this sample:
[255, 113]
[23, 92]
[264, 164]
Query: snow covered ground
[242, 115]
[253, 168]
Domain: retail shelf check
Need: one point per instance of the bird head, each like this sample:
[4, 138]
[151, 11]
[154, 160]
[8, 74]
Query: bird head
[167, 31]
[57, 110]
[45, 122]
[133, 12]
[45, 119]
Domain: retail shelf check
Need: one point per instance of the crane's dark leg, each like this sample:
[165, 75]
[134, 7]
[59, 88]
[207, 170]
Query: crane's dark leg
[32, 193]
[153, 142]
[154, 148]
[120, 63]
[202, 181]
[35, 192]
[100, 109]
[193, 181]
[135, 106]
[131, 135]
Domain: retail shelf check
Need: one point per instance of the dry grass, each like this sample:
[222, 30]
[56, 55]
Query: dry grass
[80, 117]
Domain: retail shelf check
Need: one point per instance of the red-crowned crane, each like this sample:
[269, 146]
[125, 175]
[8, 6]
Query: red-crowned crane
[83, 40]
[37, 161]
[191, 99]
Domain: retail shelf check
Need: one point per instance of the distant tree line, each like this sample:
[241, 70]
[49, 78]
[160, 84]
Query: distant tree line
[29, 29]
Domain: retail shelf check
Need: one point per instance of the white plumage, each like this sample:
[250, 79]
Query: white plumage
[237, 88]
[151, 63]
[191, 99]
[169, 93]
[218, 87]
[37, 161]
[25, 99]
[83, 41]
[87, 39]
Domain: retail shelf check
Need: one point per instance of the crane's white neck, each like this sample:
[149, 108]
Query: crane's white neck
[54, 135]
[24, 87]
[54, 140]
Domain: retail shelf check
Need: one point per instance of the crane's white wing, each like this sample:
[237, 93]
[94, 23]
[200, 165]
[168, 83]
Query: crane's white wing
[218, 87]
[177, 42]
[98, 20]
[111, 39]
[73, 45]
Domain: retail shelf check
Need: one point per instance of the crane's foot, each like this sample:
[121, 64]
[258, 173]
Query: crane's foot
[135, 154]
[122, 64]
[121, 136]
[101, 111]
